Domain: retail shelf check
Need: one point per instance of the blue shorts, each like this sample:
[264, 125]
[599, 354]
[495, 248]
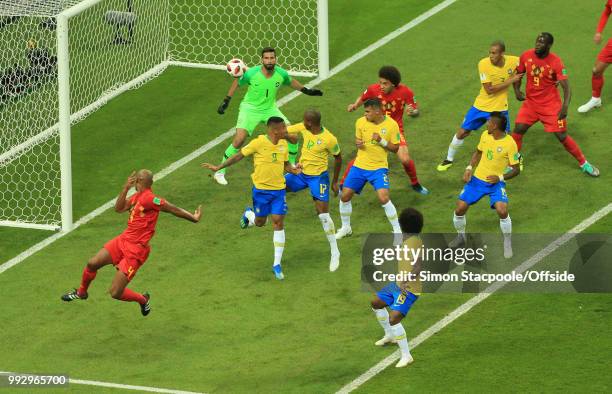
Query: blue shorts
[266, 202]
[475, 119]
[357, 178]
[318, 184]
[396, 299]
[476, 189]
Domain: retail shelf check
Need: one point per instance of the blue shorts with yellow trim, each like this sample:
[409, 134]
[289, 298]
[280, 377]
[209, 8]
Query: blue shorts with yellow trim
[266, 202]
[357, 178]
[318, 184]
[474, 119]
[476, 189]
[397, 300]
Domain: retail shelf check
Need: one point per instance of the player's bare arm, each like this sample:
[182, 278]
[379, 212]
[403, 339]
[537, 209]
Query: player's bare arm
[390, 146]
[123, 204]
[307, 91]
[567, 96]
[232, 160]
[520, 96]
[359, 143]
[181, 213]
[337, 168]
[291, 137]
[469, 170]
[295, 170]
[492, 89]
[228, 98]
[412, 111]
[352, 107]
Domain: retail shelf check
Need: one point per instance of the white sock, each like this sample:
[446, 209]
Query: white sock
[383, 318]
[346, 208]
[453, 148]
[399, 335]
[506, 226]
[279, 245]
[391, 213]
[460, 223]
[330, 231]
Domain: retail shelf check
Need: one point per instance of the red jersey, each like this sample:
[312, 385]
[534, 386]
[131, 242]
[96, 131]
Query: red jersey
[394, 102]
[144, 210]
[542, 76]
[604, 16]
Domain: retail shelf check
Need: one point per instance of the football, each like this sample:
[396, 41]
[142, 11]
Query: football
[236, 68]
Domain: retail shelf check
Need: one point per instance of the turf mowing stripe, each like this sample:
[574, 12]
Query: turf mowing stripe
[477, 299]
[179, 163]
[117, 385]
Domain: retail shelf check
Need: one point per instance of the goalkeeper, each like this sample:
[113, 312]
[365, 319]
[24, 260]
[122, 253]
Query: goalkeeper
[259, 103]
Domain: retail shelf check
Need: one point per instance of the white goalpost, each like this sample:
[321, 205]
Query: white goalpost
[61, 60]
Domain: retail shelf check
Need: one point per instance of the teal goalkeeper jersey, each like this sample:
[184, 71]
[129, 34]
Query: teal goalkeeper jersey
[261, 95]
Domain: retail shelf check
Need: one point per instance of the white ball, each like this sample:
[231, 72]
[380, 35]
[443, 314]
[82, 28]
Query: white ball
[236, 68]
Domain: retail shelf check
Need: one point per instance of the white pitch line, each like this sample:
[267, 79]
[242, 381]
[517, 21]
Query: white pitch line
[477, 299]
[179, 163]
[113, 385]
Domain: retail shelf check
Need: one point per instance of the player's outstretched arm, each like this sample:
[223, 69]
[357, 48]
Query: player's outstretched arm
[232, 160]
[337, 168]
[492, 89]
[123, 204]
[352, 107]
[307, 91]
[181, 213]
[228, 98]
[567, 97]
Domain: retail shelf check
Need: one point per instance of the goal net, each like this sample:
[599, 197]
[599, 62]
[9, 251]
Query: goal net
[61, 60]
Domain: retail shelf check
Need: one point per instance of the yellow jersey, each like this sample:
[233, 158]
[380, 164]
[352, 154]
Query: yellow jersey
[269, 162]
[316, 148]
[496, 155]
[490, 73]
[373, 156]
[405, 266]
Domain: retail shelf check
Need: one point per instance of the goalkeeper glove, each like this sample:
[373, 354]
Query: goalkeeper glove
[311, 92]
[224, 105]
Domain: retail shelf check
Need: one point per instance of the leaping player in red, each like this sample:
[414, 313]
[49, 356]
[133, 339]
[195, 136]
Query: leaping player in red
[603, 61]
[128, 251]
[395, 97]
[543, 71]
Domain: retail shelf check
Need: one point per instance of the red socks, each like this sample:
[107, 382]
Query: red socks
[88, 276]
[597, 84]
[348, 168]
[129, 295]
[410, 169]
[518, 138]
[572, 147]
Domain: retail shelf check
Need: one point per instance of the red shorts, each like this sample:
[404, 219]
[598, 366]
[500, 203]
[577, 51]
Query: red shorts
[605, 56]
[127, 257]
[530, 113]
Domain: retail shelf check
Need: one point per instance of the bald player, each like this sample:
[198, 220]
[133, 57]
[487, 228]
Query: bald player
[129, 250]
